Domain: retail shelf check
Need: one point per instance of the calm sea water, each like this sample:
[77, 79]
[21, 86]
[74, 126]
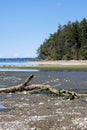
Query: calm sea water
[15, 62]
[73, 80]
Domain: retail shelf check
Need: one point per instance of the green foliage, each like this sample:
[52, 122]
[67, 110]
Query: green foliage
[67, 43]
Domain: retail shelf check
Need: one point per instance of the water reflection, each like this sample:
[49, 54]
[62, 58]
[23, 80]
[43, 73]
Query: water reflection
[16, 69]
[2, 107]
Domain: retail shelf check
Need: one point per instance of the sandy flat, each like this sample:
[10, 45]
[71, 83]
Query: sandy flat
[60, 62]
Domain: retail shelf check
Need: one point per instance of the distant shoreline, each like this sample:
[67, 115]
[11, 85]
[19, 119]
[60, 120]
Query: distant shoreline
[62, 65]
[60, 62]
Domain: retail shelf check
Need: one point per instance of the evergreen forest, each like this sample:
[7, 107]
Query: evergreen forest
[69, 42]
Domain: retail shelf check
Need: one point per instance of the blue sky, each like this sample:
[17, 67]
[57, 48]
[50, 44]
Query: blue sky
[25, 24]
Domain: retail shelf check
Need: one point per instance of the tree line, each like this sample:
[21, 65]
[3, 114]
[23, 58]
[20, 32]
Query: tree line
[69, 42]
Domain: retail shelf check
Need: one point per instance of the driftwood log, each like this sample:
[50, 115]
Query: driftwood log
[40, 87]
[19, 87]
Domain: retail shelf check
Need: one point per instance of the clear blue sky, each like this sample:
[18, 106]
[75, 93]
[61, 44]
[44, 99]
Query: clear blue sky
[25, 24]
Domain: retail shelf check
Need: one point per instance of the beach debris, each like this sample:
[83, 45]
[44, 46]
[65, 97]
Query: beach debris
[19, 87]
[32, 88]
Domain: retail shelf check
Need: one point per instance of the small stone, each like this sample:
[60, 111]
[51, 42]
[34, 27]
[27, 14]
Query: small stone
[24, 92]
[41, 103]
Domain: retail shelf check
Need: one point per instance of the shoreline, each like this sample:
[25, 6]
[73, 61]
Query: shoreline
[62, 65]
[59, 62]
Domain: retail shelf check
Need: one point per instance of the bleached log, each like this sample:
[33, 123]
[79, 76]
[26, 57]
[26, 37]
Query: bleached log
[40, 87]
[18, 87]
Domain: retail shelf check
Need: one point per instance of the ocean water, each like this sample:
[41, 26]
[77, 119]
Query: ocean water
[16, 62]
[72, 80]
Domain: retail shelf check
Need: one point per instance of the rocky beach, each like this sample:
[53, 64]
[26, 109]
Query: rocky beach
[32, 112]
[25, 111]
